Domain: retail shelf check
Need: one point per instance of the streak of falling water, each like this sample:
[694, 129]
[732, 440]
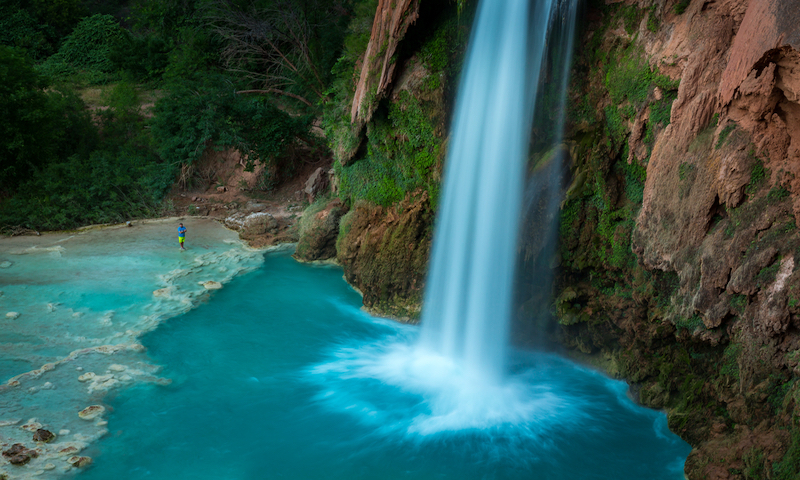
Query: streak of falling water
[467, 305]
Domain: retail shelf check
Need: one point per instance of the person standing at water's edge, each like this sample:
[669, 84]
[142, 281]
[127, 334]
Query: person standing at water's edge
[181, 235]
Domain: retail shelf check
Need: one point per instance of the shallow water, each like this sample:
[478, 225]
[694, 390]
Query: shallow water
[72, 310]
[281, 375]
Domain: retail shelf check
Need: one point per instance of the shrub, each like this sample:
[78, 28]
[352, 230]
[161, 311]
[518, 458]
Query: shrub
[723, 135]
[38, 126]
[87, 49]
[402, 150]
[207, 112]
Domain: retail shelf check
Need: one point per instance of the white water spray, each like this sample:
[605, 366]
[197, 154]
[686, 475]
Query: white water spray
[467, 305]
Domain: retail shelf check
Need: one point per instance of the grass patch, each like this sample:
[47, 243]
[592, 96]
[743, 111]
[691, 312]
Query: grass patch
[681, 6]
[723, 135]
[402, 151]
[757, 175]
[730, 361]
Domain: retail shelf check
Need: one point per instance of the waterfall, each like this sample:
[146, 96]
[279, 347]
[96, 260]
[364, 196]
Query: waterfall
[468, 299]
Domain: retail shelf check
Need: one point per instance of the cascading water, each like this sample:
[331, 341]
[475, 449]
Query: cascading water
[468, 299]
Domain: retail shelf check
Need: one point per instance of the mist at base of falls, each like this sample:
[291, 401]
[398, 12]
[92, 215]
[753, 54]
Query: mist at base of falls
[281, 375]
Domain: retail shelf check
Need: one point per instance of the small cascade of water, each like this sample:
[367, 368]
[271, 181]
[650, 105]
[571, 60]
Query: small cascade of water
[468, 300]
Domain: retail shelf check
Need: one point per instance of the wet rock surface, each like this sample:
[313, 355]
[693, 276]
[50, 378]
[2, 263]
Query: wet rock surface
[384, 253]
[43, 435]
[692, 291]
[18, 454]
[319, 230]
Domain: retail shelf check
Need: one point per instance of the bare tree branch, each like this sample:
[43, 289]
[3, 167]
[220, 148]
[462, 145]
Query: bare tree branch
[270, 46]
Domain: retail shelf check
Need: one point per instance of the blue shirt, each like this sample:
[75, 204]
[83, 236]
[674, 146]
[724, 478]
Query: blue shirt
[181, 231]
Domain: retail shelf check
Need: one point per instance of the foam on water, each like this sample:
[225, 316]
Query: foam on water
[450, 398]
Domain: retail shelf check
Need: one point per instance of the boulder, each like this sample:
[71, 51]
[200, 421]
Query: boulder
[319, 230]
[91, 412]
[44, 436]
[316, 184]
[257, 223]
[19, 455]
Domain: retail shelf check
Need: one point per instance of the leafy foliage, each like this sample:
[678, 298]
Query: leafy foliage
[36, 127]
[403, 150]
[88, 48]
[629, 77]
[196, 115]
[758, 175]
[789, 465]
[115, 177]
[681, 6]
[18, 28]
[143, 57]
[723, 135]
[107, 186]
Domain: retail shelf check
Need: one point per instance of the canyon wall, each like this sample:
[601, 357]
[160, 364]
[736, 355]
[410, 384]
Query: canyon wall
[678, 241]
[679, 233]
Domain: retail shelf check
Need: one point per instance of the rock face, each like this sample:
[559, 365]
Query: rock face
[679, 234]
[384, 253]
[392, 20]
[678, 241]
[316, 184]
[252, 224]
[755, 92]
[319, 230]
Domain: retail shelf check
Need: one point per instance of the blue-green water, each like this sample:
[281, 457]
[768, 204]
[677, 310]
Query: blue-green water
[280, 375]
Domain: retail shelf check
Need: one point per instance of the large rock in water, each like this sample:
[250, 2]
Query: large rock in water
[318, 232]
[384, 252]
[252, 224]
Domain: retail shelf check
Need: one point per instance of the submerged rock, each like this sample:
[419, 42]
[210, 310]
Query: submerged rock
[32, 425]
[162, 292]
[12, 315]
[69, 450]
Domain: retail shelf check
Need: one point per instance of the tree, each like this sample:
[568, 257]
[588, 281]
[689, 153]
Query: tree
[284, 47]
[36, 127]
[206, 112]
